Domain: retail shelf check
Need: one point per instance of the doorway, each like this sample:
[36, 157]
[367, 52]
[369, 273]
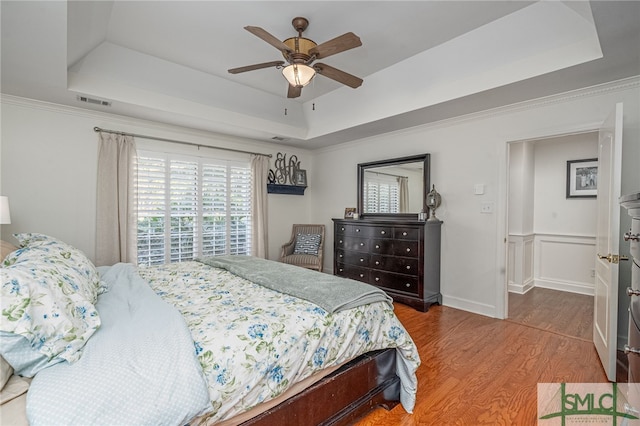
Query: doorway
[551, 237]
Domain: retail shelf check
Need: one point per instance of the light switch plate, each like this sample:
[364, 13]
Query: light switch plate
[478, 188]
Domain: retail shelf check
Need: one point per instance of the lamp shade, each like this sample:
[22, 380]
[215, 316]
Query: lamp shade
[298, 75]
[5, 214]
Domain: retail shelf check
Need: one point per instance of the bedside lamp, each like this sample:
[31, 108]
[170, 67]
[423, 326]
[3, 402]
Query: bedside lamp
[5, 214]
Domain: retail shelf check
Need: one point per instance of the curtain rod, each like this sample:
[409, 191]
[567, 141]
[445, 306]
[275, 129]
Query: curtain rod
[98, 129]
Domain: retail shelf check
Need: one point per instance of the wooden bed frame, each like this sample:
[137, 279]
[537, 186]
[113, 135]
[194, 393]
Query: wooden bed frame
[342, 397]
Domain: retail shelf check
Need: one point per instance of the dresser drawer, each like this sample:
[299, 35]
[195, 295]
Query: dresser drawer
[347, 243]
[353, 272]
[354, 258]
[634, 359]
[397, 282]
[634, 239]
[402, 265]
[395, 247]
[405, 233]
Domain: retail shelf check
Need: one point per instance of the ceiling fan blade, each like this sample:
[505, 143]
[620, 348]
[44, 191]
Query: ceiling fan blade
[264, 35]
[294, 92]
[339, 44]
[256, 67]
[337, 75]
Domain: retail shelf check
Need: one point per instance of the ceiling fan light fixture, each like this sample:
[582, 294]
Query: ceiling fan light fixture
[298, 75]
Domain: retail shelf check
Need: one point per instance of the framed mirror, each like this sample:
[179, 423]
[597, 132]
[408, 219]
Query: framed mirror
[395, 188]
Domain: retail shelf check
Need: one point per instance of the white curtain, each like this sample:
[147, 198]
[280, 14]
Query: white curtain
[259, 236]
[403, 199]
[116, 218]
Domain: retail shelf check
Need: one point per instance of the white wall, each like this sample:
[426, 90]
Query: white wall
[464, 152]
[553, 212]
[49, 164]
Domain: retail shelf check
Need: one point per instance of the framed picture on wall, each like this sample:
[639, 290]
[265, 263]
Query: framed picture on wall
[301, 177]
[582, 178]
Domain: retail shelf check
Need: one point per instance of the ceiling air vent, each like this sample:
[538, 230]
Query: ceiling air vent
[93, 101]
[278, 138]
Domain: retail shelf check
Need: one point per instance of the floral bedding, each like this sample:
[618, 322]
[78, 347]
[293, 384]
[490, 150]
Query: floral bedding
[253, 343]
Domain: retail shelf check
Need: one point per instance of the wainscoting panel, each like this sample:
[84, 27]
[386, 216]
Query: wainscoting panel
[565, 262]
[520, 263]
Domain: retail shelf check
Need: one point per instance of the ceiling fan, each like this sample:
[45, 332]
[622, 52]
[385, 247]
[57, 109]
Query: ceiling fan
[300, 53]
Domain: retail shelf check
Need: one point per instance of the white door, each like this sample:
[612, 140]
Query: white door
[605, 303]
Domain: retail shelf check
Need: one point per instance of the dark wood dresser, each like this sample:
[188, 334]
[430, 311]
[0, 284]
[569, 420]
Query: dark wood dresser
[632, 349]
[400, 257]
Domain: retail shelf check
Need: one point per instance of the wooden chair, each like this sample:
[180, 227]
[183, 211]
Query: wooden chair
[304, 249]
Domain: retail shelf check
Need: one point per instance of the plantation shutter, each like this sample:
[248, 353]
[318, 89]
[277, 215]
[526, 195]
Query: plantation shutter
[382, 194]
[191, 207]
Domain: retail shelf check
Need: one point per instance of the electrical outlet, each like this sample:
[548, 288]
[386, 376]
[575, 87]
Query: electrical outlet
[487, 207]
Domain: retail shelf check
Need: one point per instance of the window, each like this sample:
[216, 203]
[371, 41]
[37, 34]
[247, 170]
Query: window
[190, 207]
[382, 193]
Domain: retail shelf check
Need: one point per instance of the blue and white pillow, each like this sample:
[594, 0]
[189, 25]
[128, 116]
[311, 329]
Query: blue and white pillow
[48, 291]
[307, 244]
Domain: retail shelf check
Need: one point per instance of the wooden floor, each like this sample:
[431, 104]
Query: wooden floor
[482, 371]
[560, 312]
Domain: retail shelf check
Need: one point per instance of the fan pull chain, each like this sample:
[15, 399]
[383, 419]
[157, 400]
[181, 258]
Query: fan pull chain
[313, 106]
[285, 111]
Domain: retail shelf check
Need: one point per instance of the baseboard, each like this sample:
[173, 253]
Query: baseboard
[520, 288]
[571, 287]
[470, 306]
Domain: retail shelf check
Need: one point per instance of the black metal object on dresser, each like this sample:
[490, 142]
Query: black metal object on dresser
[401, 257]
[632, 204]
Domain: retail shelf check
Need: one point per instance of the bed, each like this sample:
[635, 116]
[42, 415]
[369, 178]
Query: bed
[225, 340]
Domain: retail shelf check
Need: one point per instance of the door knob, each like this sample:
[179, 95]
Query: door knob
[612, 258]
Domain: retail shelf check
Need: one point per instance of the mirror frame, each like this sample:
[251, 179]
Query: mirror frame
[426, 184]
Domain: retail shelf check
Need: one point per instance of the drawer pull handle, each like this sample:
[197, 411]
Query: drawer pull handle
[407, 285]
[383, 232]
[341, 270]
[361, 244]
[340, 254]
[408, 267]
[377, 246]
[404, 234]
[377, 279]
[340, 241]
[628, 236]
[342, 229]
[361, 275]
[357, 229]
[377, 262]
[631, 350]
[361, 260]
[632, 292]
[408, 249]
